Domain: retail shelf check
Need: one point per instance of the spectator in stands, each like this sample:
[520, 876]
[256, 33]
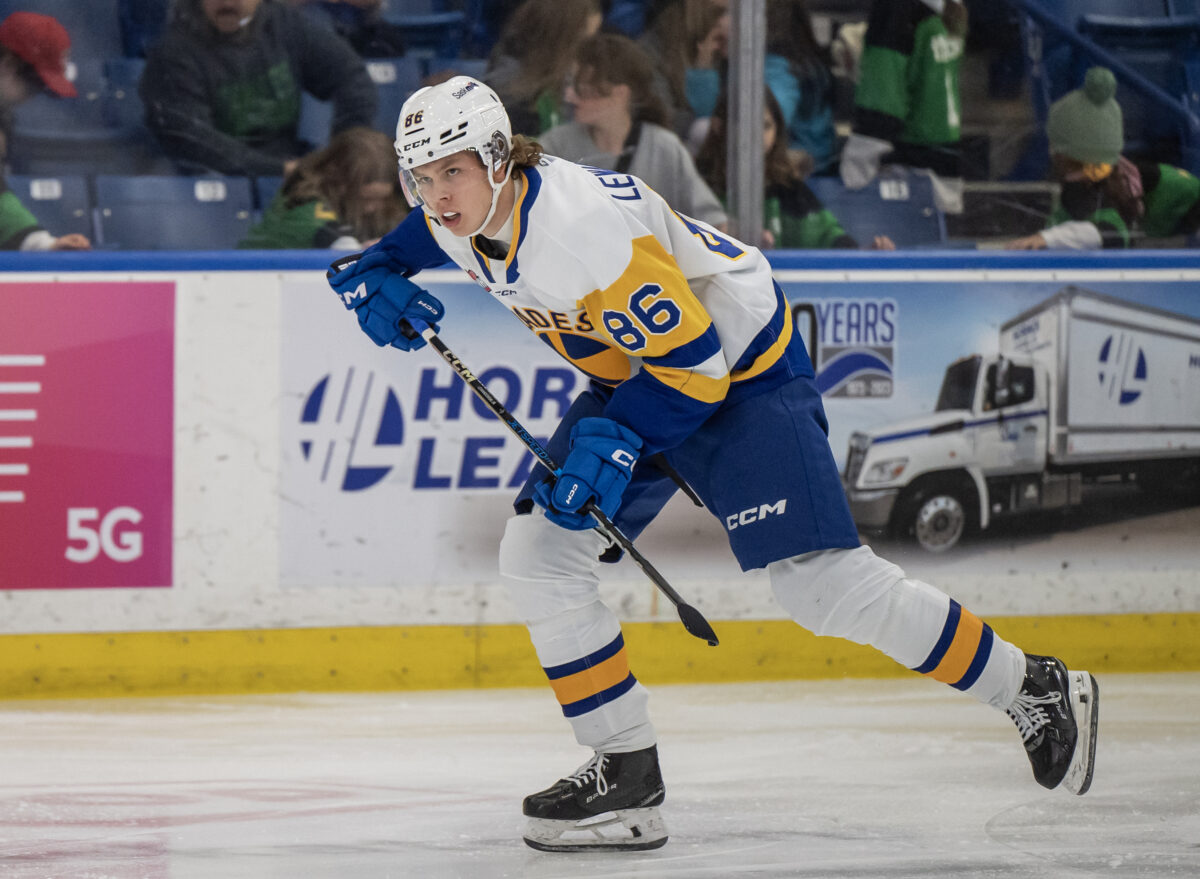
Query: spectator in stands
[798, 73]
[793, 216]
[222, 90]
[619, 124]
[907, 109]
[33, 60]
[345, 196]
[529, 64]
[20, 230]
[1107, 200]
[360, 23]
[688, 41]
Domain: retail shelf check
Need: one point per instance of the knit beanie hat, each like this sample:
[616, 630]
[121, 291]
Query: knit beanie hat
[1086, 124]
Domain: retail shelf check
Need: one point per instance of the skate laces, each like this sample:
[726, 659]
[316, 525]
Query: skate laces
[589, 771]
[1029, 715]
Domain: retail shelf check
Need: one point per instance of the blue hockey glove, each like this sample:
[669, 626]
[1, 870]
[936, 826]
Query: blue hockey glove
[399, 299]
[597, 469]
[356, 277]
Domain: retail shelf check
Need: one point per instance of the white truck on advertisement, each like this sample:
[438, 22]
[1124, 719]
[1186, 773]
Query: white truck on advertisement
[1086, 389]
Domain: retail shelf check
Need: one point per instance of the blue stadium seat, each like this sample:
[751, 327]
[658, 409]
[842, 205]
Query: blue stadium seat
[432, 29]
[93, 25]
[74, 135]
[1070, 11]
[1154, 48]
[395, 79]
[472, 67]
[100, 131]
[902, 209]
[172, 213]
[315, 118]
[1160, 49]
[265, 189]
[61, 204]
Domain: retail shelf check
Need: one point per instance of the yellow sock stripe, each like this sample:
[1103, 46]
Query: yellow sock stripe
[962, 649]
[590, 681]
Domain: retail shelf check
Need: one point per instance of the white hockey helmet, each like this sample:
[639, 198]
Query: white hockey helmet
[459, 114]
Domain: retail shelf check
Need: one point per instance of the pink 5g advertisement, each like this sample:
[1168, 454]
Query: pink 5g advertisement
[86, 423]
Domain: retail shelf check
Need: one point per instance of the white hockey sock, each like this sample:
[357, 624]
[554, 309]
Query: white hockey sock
[583, 655]
[854, 594]
[551, 576]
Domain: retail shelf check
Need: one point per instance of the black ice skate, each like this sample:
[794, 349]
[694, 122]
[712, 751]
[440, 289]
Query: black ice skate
[610, 802]
[1056, 713]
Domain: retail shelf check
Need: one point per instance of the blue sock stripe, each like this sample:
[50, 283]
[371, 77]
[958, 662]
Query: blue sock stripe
[608, 651]
[591, 703]
[982, 653]
[944, 642]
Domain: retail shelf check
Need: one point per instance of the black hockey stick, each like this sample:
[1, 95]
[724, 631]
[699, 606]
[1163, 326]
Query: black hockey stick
[692, 619]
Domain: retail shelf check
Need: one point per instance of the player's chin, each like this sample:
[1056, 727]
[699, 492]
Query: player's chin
[455, 223]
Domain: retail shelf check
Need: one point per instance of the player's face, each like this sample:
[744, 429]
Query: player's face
[229, 16]
[456, 191]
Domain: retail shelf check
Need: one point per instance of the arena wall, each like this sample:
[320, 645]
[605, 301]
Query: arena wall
[227, 488]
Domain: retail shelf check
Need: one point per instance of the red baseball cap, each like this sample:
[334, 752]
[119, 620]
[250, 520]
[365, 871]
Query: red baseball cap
[41, 42]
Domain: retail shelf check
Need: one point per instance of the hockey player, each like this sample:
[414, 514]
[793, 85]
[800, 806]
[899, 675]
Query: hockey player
[693, 360]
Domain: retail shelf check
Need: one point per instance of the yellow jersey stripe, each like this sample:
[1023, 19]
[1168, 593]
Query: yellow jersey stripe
[771, 356]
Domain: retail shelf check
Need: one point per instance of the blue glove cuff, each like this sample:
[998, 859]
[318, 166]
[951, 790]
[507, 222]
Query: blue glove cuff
[605, 428]
[358, 276]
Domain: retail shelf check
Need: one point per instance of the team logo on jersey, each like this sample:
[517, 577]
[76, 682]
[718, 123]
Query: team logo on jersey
[351, 426]
[478, 280]
[1122, 369]
[852, 343]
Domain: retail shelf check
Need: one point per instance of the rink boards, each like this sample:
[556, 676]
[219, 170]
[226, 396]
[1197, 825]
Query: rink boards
[224, 487]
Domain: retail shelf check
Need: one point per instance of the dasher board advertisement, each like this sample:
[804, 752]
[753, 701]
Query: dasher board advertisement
[86, 434]
[394, 475]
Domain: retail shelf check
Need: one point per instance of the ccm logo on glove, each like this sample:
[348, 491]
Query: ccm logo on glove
[624, 457]
[359, 293]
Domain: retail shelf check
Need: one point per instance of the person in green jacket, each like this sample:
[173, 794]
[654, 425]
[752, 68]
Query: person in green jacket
[793, 216]
[345, 196]
[907, 106]
[1107, 200]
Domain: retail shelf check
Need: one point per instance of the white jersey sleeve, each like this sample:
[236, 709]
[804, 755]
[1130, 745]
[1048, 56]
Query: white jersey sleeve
[664, 309]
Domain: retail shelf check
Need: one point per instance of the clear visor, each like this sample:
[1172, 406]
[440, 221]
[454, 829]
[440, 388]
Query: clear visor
[412, 191]
[492, 156]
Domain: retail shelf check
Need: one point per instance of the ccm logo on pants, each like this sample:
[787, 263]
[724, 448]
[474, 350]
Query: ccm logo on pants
[754, 514]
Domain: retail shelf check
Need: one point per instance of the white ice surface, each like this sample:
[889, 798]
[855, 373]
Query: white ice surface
[830, 779]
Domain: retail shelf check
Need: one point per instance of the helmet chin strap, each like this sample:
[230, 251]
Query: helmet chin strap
[497, 188]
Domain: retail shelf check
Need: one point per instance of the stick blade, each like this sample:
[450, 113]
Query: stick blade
[697, 625]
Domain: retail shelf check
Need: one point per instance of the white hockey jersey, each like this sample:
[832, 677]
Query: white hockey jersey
[671, 313]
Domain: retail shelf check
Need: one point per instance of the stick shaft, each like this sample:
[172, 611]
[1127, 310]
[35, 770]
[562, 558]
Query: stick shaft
[531, 443]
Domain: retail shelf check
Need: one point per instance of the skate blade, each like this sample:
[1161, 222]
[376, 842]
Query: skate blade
[1085, 703]
[622, 830]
